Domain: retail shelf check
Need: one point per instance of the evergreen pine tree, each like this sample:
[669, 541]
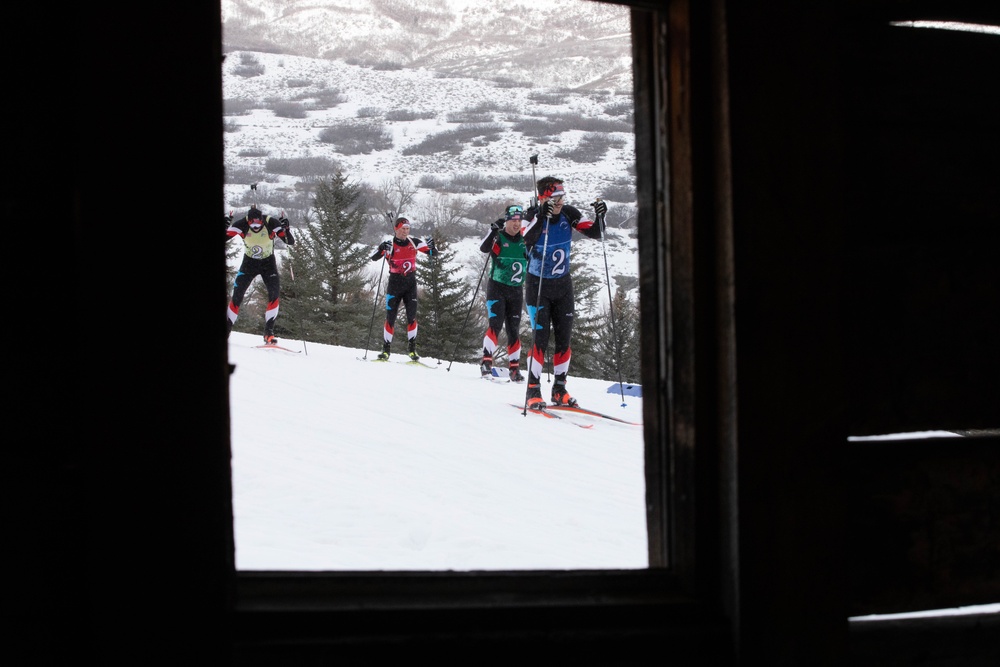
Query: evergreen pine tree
[443, 306]
[619, 350]
[332, 294]
[588, 327]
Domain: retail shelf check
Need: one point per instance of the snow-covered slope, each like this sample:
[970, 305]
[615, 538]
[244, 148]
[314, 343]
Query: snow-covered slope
[341, 464]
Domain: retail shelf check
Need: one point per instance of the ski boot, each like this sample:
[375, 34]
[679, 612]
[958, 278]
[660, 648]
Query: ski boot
[486, 368]
[515, 372]
[411, 350]
[269, 339]
[534, 395]
[560, 396]
[384, 354]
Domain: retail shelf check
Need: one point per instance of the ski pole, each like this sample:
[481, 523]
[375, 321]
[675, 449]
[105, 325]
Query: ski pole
[611, 304]
[534, 186]
[471, 304]
[378, 288]
[534, 180]
[291, 272]
[534, 320]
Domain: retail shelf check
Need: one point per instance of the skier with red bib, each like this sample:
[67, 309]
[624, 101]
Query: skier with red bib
[401, 288]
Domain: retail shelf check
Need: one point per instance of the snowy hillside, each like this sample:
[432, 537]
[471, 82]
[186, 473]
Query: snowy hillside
[386, 466]
[571, 43]
[261, 134]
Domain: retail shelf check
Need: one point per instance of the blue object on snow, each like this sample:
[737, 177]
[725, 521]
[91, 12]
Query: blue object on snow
[628, 389]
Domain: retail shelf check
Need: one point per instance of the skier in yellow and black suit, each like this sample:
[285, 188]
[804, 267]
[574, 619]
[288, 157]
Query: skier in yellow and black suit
[258, 232]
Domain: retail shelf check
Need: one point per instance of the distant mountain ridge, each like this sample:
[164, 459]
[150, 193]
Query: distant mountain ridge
[575, 44]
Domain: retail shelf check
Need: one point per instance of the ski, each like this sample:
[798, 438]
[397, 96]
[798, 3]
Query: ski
[417, 362]
[593, 413]
[502, 375]
[277, 347]
[407, 362]
[545, 413]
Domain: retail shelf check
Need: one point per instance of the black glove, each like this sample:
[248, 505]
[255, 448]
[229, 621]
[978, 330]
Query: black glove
[228, 218]
[546, 208]
[497, 225]
[385, 246]
[600, 207]
[285, 222]
[430, 246]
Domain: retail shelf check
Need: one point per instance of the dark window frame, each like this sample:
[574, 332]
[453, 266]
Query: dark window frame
[671, 585]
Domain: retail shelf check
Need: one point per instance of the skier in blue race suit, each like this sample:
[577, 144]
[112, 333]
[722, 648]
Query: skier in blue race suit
[549, 287]
[258, 232]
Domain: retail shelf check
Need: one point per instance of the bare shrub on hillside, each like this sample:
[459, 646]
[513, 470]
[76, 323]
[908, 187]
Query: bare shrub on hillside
[387, 66]
[543, 129]
[239, 107]
[230, 125]
[297, 83]
[472, 183]
[622, 216]
[488, 209]
[272, 200]
[503, 82]
[254, 152]
[392, 197]
[591, 148]
[358, 138]
[569, 121]
[327, 98]
[547, 98]
[369, 112]
[506, 181]
[469, 116]
[475, 183]
[423, 17]
[446, 216]
[234, 175]
[452, 141]
[407, 114]
[622, 108]
[432, 182]
[619, 192]
[249, 66]
[288, 110]
[303, 167]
